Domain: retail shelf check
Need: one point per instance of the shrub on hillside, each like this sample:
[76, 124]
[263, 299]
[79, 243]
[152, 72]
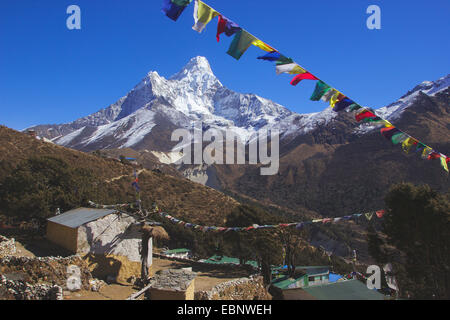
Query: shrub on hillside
[40, 185]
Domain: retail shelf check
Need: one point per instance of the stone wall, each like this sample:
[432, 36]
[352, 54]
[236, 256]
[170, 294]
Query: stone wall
[7, 246]
[20, 290]
[251, 288]
[172, 284]
[48, 270]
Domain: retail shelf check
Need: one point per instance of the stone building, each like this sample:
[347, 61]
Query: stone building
[110, 240]
[172, 284]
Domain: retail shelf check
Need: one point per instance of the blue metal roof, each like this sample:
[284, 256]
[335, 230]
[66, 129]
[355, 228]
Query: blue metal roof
[77, 217]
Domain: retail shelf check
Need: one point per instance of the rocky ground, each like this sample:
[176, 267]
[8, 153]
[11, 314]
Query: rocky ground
[25, 276]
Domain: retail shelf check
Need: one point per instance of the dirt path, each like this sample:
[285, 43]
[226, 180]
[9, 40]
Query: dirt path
[108, 292]
[123, 176]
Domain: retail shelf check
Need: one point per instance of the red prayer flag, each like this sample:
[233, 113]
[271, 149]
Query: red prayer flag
[434, 155]
[364, 115]
[220, 27]
[303, 76]
[380, 213]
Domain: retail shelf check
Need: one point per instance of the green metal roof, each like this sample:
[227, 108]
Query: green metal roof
[285, 282]
[174, 251]
[224, 259]
[344, 290]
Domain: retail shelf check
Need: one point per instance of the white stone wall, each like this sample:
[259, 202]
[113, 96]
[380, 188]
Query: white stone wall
[114, 234]
[7, 246]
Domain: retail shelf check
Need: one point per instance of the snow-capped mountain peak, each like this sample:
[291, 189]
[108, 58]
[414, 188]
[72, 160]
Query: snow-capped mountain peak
[197, 65]
[195, 94]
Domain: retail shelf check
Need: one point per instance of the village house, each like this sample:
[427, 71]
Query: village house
[109, 238]
[305, 276]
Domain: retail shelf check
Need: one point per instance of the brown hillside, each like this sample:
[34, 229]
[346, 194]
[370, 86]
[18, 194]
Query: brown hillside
[179, 196]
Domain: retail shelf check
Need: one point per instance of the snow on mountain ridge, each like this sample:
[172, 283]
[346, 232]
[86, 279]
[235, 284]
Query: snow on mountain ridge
[195, 94]
[395, 110]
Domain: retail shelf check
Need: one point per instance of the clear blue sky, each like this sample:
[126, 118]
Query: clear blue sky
[50, 74]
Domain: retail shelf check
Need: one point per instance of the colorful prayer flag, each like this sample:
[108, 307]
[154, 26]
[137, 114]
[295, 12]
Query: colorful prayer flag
[335, 98]
[320, 89]
[433, 155]
[227, 26]
[343, 104]
[203, 14]
[271, 56]
[303, 76]
[174, 8]
[399, 137]
[369, 215]
[389, 132]
[241, 42]
[444, 163]
[408, 143]
[363, 114]
[354, 107]
[328, 95]
[290, 68]
[263, 46]
[380, 213]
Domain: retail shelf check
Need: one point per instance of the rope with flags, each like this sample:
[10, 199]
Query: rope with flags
[298, 225]
[135, 184]
[242, 40]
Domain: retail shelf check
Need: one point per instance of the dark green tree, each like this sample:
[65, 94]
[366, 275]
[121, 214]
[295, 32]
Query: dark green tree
[376, 245]
[418, 224]
[40, 185]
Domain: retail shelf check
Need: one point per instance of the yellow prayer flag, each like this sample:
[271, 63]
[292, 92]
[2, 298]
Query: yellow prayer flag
[263, 46]
[408, 143]
[387, 124]
[290, 68]
[426, 151]
[203, 14]
[444, 163]
[297, 70]
[335, 99]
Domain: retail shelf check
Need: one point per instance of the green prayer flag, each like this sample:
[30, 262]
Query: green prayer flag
[181, 3]
[354, 107]
[241, 42]
[320, 90]
[283, 60]
[399, 137]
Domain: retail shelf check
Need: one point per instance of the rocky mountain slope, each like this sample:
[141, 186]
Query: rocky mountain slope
[345, 168]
